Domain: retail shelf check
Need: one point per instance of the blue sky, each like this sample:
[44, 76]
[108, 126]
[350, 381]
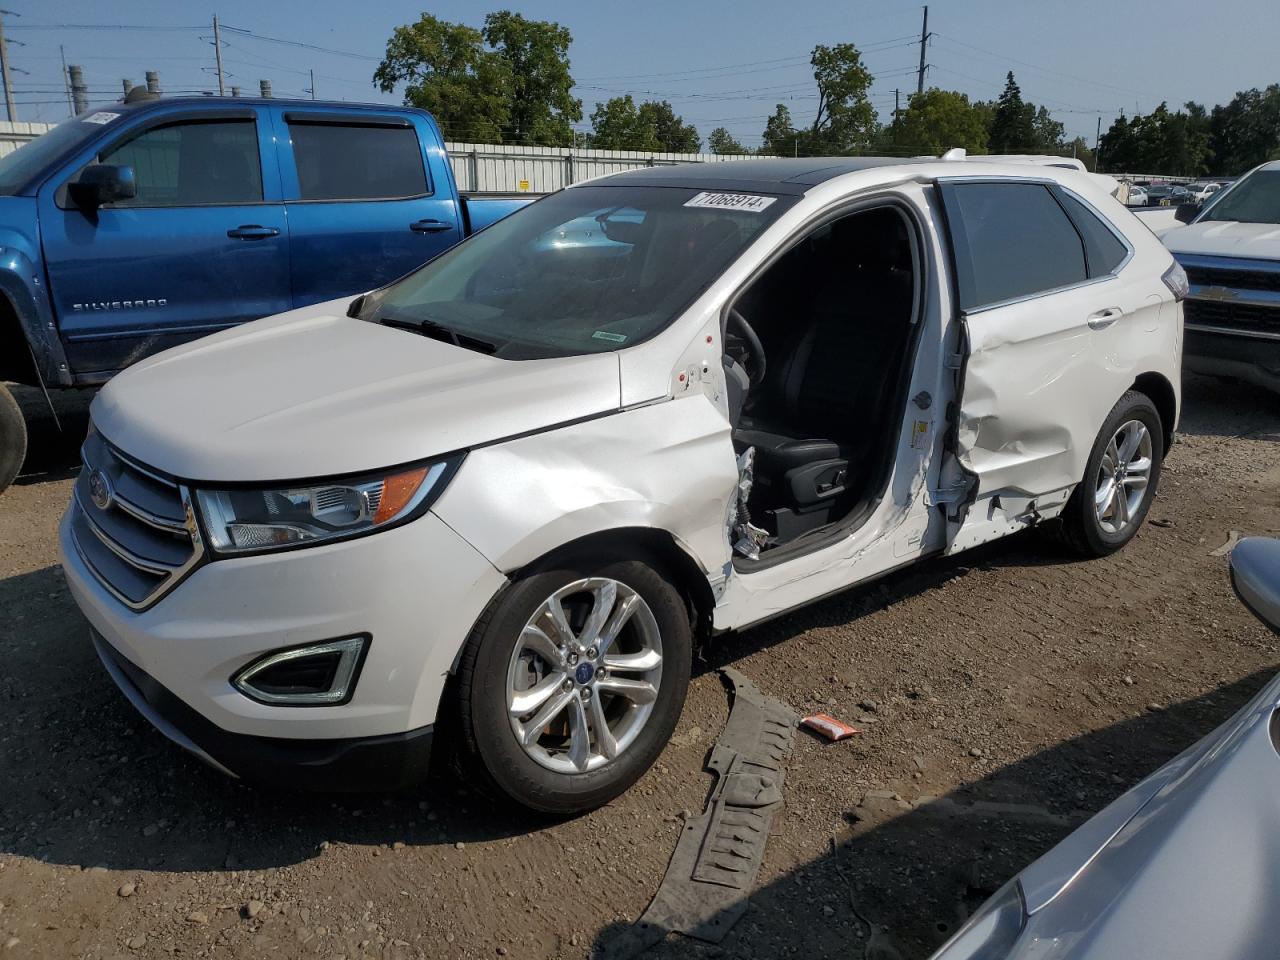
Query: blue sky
[719, 63]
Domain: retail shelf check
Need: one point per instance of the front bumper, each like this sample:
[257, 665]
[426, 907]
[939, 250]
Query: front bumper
[359, 763]
[1223, 354]
[417, 590]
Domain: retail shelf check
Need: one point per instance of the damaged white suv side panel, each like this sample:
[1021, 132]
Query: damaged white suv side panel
[502, 498]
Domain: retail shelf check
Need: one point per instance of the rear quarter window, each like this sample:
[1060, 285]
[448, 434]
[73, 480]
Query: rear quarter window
[1103, 249]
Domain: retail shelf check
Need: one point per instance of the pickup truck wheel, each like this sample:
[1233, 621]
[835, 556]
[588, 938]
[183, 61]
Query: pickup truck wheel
[572, 683]
[13, 438]
[1120, 480]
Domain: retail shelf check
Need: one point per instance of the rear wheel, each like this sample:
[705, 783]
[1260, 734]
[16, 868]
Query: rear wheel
[571, 685]
[1112, 501]
[13, 438]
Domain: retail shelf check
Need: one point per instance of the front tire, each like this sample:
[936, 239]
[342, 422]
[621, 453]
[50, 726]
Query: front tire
[1109, 506]
[13, 438]
[573, 681]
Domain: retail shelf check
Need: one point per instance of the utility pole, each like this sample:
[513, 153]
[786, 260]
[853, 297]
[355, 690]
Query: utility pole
[79, 93]
[264, 89]
[924, 39]
[1097, 145]
[896, 109]
[4, 69]
[217, 53]
[313, 84]
[66, 79]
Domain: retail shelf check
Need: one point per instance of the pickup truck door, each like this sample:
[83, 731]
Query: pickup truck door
[369, 194]
[203, 245]
[1045, 309]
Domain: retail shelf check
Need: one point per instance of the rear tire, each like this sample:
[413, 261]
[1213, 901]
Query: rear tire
[1111, 502]
[13, 438]
[530, 716]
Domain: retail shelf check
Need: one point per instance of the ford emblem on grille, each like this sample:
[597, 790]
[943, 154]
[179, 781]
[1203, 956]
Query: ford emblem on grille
[100, 490]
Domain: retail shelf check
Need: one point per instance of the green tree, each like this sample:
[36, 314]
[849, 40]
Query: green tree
[937, 120]
[541, 107]
[721, 141]
[616, 124]
[447, 70]
[672, 133]
[509, 82]
[1047, 134]
[780, 136]
[845, 119]
[1162, 142]
[1246, 131]
[1013, 124]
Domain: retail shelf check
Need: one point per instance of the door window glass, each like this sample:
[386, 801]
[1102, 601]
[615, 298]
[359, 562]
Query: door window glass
[187, 164]
[346, 162]
[1011, 240]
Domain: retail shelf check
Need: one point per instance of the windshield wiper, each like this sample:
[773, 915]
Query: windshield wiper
[438, 331]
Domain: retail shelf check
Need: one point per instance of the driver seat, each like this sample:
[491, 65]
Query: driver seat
[803, 470]
[816, 405]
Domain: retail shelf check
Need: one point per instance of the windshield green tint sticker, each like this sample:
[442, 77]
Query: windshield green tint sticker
[731, 201]
[611, 337]
[101, 117]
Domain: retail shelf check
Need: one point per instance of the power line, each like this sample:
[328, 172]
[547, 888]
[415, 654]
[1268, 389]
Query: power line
[298, 43]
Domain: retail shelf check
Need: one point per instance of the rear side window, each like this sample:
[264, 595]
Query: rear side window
[192, 163]
[1011, 240]
[1103, 249]
[348, 162]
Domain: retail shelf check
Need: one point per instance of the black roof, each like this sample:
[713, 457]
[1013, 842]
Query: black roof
[784, 175]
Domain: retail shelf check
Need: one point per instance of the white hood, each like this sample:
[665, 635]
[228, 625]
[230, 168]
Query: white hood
[313, 393]
[1226, 238]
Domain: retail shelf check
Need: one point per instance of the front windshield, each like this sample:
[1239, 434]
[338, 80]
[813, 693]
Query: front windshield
[1255, 199]
[586, 270]
[18, 169]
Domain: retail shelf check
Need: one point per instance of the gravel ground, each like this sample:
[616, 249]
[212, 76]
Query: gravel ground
[1002, 695]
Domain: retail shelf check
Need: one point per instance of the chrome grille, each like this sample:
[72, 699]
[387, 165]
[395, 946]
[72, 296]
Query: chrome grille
[132, 526]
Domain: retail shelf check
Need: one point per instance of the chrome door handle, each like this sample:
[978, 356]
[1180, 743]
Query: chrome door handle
[1104, 318]
[252, 231]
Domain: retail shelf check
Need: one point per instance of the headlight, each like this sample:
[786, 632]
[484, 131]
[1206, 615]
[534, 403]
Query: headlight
[251, 520]
[991, 932]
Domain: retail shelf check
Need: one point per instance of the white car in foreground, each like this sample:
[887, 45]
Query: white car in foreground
[498, 499]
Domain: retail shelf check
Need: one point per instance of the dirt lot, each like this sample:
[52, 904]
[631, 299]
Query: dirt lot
[1011, 675]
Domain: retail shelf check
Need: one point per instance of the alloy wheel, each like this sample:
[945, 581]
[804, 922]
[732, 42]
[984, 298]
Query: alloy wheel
[1123, 477]
[584, 676]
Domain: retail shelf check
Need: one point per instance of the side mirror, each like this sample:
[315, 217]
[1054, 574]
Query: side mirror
[102, 183]
[1255, 573]
[1186, 212]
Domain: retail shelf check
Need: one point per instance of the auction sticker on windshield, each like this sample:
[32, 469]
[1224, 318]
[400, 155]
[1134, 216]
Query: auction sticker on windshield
[731, 201]
[101, 117]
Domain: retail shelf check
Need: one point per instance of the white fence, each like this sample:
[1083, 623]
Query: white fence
[487, 167]
[495, 168]
[14, 134]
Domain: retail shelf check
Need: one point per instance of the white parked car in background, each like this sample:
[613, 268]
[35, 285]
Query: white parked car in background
[1137, 197]
[498, 499]
[1200, 192]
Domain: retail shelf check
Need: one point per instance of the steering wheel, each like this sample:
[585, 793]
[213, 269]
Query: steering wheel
[748, 352]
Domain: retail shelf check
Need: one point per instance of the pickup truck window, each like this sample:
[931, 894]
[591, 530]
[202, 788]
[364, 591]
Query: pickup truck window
[350, 162]
[192, 163]
[1012, 241]
[1255, 199]
[23, 168]
[585, 270]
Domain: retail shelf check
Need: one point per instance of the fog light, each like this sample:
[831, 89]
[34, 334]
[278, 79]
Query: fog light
[316, 675]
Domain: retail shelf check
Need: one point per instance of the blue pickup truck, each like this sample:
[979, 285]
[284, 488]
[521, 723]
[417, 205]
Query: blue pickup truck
[139, 226]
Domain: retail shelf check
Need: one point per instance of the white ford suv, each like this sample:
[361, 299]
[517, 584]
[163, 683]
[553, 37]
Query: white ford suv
[502, 496]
